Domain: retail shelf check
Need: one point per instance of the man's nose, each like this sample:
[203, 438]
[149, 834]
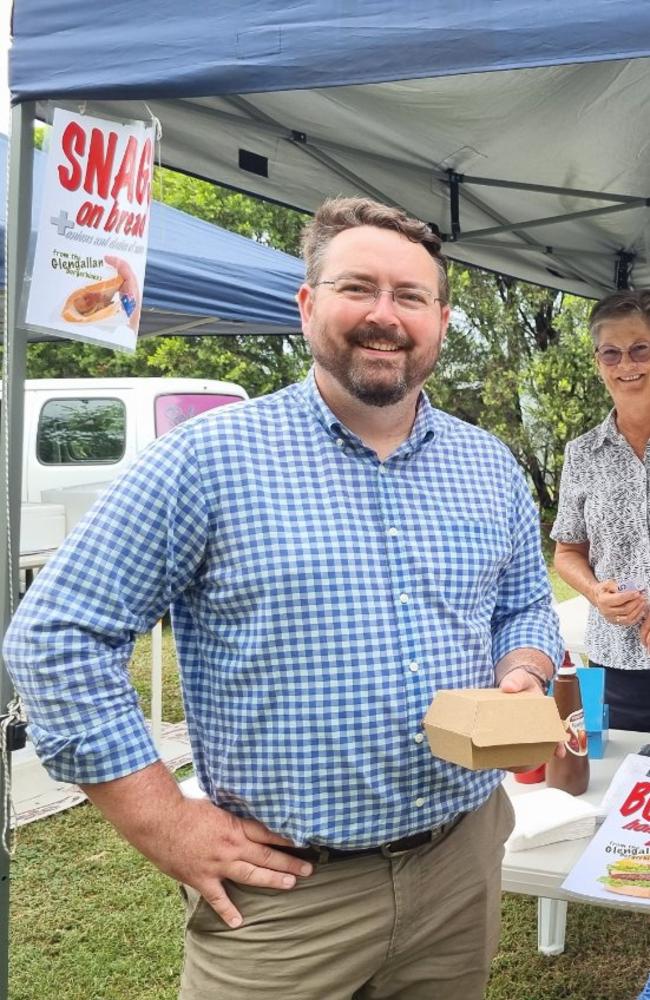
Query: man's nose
[383, 309]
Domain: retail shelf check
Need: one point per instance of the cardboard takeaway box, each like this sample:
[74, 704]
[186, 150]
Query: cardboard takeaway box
[484, 727]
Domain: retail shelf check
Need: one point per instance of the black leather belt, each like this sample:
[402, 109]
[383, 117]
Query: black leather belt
[395, 848]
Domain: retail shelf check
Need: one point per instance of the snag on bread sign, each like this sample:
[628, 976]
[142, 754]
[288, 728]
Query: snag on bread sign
[87, 279]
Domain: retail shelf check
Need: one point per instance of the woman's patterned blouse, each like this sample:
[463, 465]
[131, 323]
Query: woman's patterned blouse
[604, 501]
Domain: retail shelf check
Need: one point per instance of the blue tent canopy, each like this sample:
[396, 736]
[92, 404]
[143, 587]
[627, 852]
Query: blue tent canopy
[200, 279]
[163, 49]
[518, 128]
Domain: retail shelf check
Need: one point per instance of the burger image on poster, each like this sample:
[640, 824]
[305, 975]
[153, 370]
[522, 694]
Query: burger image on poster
[629, 876]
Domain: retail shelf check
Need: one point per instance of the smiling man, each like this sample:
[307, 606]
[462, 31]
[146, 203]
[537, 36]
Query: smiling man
[333, 555]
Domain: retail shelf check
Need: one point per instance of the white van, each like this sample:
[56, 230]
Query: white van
[79, 434]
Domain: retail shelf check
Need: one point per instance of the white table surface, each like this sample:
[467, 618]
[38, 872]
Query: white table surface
[541, 870]
[573, 623]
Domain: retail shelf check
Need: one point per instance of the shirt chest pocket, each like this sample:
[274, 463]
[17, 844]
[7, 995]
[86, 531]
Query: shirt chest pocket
[467, 556]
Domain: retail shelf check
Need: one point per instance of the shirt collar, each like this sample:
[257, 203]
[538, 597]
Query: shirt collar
[423, 428]
[607, 431]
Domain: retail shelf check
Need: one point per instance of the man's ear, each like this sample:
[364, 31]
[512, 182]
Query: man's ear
[445, 316]
[305, 300]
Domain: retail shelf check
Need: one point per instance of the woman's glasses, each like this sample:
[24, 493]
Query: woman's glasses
[612, 356]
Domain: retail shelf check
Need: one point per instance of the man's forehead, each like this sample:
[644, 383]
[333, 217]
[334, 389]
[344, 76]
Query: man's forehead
[362, 249]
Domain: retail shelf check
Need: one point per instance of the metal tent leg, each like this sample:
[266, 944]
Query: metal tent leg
[11, 445]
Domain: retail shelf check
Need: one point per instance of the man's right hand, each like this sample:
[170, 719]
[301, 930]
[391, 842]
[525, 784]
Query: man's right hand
[195, 841]
[211, 845]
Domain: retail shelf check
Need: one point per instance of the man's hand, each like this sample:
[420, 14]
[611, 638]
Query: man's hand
[210, 845]
[193, 840]
[518, 680]
[619, 607]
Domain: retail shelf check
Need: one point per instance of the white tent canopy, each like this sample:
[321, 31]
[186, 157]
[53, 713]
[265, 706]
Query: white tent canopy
[538, 173]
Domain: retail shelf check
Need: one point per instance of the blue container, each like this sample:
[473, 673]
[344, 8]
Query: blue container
[592, 690]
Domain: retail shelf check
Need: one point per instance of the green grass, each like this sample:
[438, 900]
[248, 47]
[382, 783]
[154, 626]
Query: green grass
[92, 920]
[561, 590]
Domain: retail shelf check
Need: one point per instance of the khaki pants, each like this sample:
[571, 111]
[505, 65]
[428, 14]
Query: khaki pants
[423, 926]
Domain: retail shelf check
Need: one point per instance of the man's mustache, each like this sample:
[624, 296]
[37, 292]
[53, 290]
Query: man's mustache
[372, 334]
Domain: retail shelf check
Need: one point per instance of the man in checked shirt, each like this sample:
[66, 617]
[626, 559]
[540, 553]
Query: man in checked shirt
[333, 554]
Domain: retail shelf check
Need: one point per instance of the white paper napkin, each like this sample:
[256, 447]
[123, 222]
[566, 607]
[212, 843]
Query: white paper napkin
[548, 816]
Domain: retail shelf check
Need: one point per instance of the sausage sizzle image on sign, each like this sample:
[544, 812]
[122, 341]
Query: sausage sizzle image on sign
[91, 245]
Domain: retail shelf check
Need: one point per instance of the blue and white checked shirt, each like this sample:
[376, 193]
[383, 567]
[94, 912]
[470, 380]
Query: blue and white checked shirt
[319, 597]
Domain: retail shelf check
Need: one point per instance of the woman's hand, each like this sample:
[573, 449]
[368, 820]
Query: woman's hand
[619, 607]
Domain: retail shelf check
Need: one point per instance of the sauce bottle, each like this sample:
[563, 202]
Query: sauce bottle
[571, 774]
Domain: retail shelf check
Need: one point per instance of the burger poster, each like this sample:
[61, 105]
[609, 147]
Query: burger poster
[615, 867]
[91, 244]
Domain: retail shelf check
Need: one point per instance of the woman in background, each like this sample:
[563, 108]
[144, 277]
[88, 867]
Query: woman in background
[602, 529]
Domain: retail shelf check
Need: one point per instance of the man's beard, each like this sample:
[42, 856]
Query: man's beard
[374, 381]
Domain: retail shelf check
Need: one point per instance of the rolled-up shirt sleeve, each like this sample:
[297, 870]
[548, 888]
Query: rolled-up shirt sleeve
[69, 644]
[524, 615]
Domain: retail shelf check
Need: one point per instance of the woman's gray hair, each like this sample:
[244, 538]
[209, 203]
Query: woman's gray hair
[338, 214]
[619, 305]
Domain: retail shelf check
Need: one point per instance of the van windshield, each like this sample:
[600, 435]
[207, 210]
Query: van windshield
[171, 409]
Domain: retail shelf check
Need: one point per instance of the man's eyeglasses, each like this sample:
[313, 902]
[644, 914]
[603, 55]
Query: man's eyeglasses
[612, 356]
[410, 299]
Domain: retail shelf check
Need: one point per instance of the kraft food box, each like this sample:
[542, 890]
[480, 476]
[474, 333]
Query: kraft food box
[482, 728]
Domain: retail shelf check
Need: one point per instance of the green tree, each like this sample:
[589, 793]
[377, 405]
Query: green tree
[262, 221]
[518, 362]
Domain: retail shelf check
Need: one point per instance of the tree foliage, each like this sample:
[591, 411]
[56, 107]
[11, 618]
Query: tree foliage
[518, 361]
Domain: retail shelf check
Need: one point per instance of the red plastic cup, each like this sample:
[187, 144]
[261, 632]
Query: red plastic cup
[533, 776]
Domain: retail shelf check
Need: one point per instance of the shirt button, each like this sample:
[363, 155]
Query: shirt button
[414, 666]
[419, 737]
[383, 470]
[392, 532]
[419, 802]
[340, 442]
[403, 598]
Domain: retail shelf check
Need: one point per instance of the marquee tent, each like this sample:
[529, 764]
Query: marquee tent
[518, 128]
[200, 279]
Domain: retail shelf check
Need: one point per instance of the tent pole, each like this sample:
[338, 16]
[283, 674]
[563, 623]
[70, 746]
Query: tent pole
[11, 438]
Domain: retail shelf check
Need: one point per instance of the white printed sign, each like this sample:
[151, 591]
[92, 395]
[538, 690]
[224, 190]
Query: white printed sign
[91, 245]
[615, 867]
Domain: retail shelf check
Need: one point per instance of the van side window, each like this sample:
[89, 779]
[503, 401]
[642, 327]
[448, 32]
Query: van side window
[81, 431]
[171, 409]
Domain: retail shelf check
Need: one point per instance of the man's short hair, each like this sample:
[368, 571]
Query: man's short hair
[619, 305]
[338, 214]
